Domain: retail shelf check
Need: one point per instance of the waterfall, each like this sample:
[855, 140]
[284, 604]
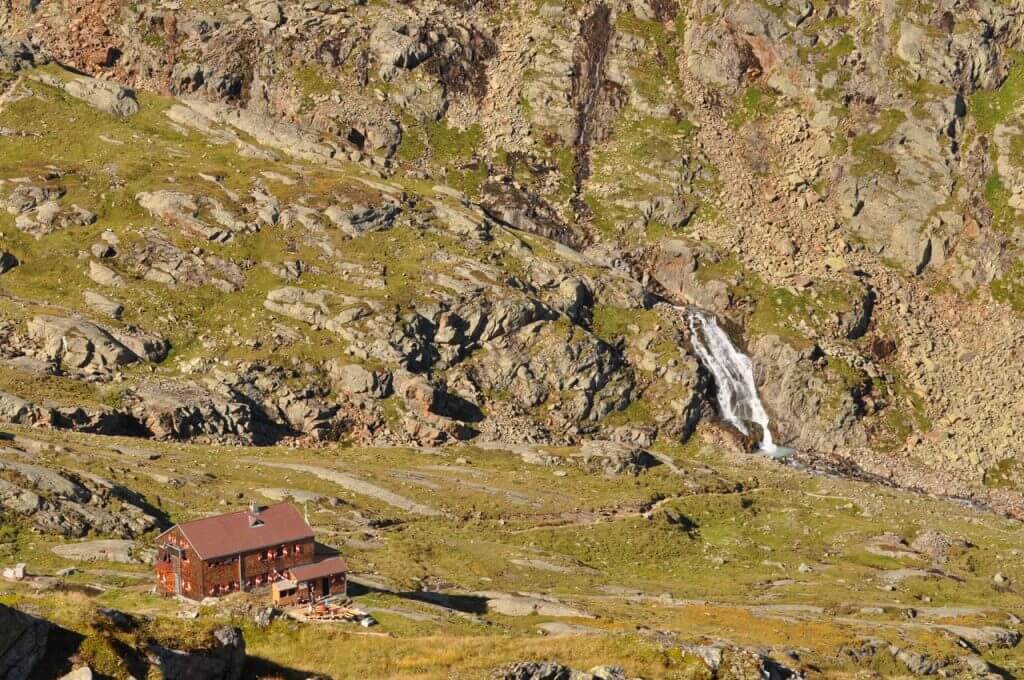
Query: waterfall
[738, 401]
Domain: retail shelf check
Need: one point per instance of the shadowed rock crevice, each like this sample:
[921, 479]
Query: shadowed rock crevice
[595, 97]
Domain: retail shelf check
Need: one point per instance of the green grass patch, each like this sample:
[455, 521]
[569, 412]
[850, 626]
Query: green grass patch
[1004, 217]
[1009, 288]
[757, 102]
[312, 82]
[867, 148]
[1006, 474]
[789, 313]
[991, 107]
[627, 163]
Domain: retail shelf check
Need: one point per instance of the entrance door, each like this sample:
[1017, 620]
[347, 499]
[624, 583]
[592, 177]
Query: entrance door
[326, 586]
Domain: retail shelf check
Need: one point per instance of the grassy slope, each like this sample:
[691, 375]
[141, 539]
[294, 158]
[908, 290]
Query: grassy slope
[751, 525]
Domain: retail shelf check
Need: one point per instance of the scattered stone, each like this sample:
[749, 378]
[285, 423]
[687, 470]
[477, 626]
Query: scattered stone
[104, 275]
[263, 617]
[537, 670]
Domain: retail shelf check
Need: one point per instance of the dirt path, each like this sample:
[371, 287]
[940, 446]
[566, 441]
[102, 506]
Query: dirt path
[586, 519]
[355, 485]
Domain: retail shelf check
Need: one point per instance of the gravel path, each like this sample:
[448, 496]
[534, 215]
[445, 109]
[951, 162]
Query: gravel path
[356, 485]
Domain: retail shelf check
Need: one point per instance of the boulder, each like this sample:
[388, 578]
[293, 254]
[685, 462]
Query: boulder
[614, 458]
[105, 95]
[15, 573]
[79, 344]
[716, 55]
[463, 221]
[359, 219]
[397, 45]
[7, 262]
[191, 77]
[677, 270]
[355, 380]
[223, 659]
[318, 308]
[14, 409]
[161, 261]
[103, 304]
[143, 344]
[22, 641]
[28, 197]
[267, 12]
[104, 275]
[201, 215]
[16, 55]
[184, 409]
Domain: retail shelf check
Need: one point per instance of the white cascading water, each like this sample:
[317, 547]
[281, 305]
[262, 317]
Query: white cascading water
[738, 401]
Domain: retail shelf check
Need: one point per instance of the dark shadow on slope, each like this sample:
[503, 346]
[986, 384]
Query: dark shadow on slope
[467, 604]
[61, 645]
[258, 667]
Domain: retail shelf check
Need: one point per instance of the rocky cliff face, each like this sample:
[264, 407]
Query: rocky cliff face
[424, 222]
[22, 643]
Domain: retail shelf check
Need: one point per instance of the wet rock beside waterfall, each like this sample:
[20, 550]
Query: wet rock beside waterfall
[822, 409]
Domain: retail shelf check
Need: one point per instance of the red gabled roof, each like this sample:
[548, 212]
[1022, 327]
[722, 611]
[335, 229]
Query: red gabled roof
[325, 567]
[233, 533]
